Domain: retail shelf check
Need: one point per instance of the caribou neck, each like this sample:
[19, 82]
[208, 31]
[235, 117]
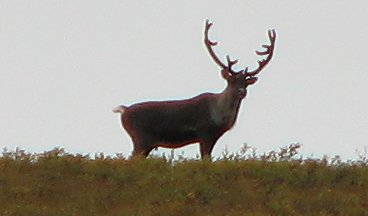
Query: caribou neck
[226, 107]
[229, 99]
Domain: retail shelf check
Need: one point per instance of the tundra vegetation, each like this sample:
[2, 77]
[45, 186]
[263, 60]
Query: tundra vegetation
[246, 183]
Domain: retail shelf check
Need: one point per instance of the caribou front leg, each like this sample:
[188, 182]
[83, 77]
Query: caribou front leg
[206, 148]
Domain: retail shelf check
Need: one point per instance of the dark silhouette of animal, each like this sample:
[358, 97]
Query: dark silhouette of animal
[203, 118]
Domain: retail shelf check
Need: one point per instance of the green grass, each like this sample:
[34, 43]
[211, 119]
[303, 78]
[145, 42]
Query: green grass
[277, 183]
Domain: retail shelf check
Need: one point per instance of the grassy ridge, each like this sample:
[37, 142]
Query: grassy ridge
[57, 183]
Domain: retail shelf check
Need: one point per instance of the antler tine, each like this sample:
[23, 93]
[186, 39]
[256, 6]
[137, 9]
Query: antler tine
[268, 51]
[230, 62]
[209, 44]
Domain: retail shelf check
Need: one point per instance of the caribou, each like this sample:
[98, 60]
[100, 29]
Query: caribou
[202, 119]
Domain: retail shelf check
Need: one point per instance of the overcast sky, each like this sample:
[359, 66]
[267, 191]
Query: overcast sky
[65, 65]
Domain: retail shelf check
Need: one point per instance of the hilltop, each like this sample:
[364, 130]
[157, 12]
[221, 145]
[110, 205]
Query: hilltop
[278, 183]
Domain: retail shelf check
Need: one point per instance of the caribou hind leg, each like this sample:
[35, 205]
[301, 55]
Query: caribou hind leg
[142, 147]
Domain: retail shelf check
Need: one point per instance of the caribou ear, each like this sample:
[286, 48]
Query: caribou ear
[226, 74]
[251, 81]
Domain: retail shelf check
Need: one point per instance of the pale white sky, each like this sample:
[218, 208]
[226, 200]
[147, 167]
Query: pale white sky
[65, 64]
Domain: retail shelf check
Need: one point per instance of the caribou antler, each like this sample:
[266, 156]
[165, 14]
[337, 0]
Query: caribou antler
[209, 44]
[269, 52]
[261, 63]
